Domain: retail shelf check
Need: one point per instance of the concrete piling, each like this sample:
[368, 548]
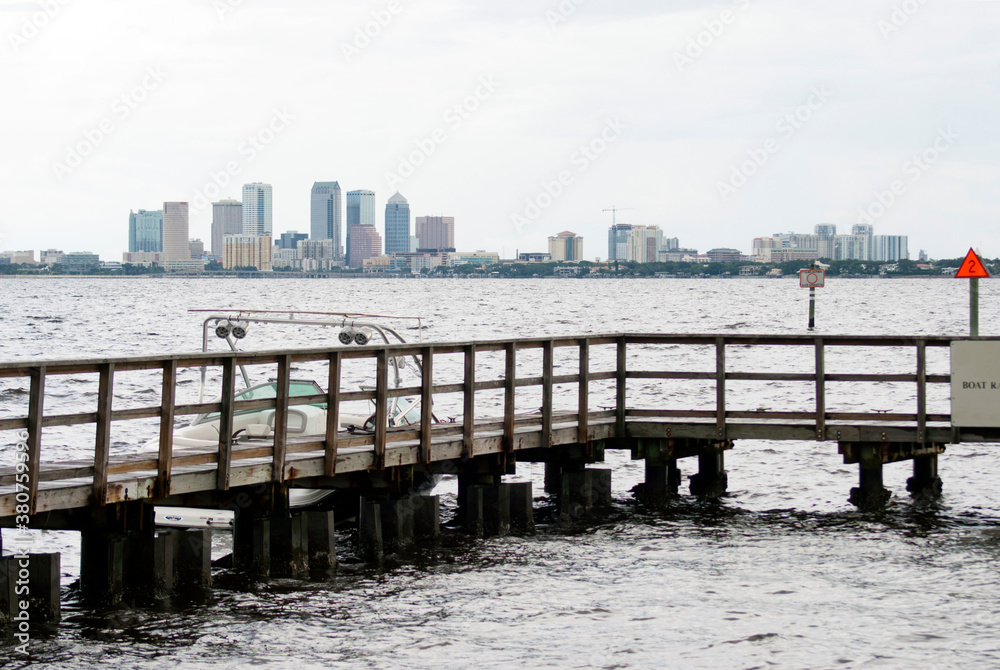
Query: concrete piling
[370, 541]
[321, 540]
[711, 480]
[925, 482]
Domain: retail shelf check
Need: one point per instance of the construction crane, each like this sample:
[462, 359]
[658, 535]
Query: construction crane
[614, 210]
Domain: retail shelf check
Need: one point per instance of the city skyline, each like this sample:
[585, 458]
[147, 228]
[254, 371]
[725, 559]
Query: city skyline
[853, 114]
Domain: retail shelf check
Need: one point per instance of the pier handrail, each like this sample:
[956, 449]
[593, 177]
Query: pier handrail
[165, 461]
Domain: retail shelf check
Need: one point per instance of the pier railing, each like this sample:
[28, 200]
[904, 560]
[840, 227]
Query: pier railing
[575, 408]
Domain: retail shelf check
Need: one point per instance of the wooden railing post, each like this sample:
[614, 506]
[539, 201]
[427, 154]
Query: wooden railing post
[583, 400]
[720, 387]
[36, 403]
[820, 390]
[426, 403]
[921, 391]
[102, 446]
[168, 397]
[509, 389]
[620, 390]
[469, 401]
[332, 413]
[548, 354]
[281, 418]
[381, 406]
[226, 422]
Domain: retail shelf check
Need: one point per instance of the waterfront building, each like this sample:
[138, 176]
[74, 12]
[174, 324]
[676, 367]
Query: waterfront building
[50, 257]
[320, 249]
[435, 233]
[360, 212]
[725, 255]
[143, 258]
[290, 240]
[242, 251]
[257, 210]
[889, 248]
[534, 257]
[145, 230]
[176, 247]
[397, 224]
[473, 257]
[325, 214]
[19, 257]
[365, 243]
[566, 246]
[618, 238]
[80, 261]
[197, 248]
[677, 255]
[227, 219]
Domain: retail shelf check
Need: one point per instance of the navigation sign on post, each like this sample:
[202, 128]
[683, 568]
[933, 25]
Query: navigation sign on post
[812, 278]
[975, 384]
[972, 268]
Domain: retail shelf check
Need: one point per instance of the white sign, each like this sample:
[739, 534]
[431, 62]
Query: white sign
[812, 278]
[975, 384]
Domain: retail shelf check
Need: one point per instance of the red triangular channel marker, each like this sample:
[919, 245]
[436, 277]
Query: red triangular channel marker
[972, 267]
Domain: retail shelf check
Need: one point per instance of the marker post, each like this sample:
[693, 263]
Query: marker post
[973, 269]
[812, 279]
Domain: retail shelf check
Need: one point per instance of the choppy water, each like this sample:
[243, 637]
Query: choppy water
[783, 572]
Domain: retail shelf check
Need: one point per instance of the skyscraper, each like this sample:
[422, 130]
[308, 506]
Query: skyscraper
[435, 233]
[325, 214]
[618, 236]
[566, 246]
[145, 230]
[365, 243]
[397, 225]
[257, 209]
[176, 252]
[227, 219]
[360, 212]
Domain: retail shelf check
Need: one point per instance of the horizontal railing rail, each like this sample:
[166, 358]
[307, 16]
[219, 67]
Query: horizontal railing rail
[542, 377]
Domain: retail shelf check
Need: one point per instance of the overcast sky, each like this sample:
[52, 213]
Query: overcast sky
[717, 121]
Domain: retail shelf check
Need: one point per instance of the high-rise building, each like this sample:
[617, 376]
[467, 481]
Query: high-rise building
[618, 235]
[360, 212]
[566, 246]
[862, 229]
[365, 243]
[145, 230]
[257, 209]
[435, 233]
[397, 225]
[175, 231]
[247, 251]
[325, 214]
[227, 219]
[290, 240]
[197, 248]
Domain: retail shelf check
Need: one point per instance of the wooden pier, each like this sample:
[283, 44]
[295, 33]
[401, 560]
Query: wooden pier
[605, 396]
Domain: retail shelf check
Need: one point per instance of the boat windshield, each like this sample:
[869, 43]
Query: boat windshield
[296, 388]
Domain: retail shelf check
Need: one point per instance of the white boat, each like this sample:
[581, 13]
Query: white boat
[303, 420]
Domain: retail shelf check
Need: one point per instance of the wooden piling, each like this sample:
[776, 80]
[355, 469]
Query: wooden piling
[711, 479]
[925, 482]
[370, 543]
[194, 558]
[427, 518]
[522, 512]
[321, 540]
